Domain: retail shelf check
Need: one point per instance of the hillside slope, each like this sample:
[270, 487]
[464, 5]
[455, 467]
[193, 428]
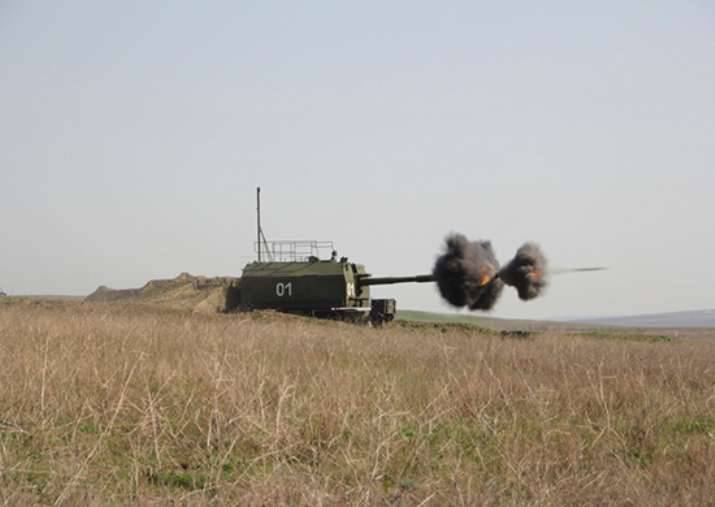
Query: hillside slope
[185, 292]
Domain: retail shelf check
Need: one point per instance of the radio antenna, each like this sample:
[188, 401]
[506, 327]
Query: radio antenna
[259, 233]
[262, 243]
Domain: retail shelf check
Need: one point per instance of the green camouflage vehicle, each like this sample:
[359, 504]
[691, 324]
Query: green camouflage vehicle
[321, 288]
[295, 280]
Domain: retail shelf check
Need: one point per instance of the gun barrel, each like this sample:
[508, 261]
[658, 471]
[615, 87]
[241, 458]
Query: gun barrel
[388, 280]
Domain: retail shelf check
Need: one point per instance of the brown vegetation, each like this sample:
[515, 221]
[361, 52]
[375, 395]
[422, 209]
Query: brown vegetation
[120, 404]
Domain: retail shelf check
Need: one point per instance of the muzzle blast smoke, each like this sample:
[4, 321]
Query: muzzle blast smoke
[526, 272]
[468, 273]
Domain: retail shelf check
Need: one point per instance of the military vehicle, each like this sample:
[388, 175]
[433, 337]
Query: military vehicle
[294, 279]
[321, 288]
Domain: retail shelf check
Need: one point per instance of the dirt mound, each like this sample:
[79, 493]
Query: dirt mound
[186, 292]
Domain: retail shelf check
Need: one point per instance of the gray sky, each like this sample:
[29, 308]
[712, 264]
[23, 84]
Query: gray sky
[133, 134]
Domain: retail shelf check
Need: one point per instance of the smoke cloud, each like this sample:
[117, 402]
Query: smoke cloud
[465, 273]
[526, 271]
[468, 274]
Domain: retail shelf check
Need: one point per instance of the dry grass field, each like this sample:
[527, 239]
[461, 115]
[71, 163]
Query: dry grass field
[122, 404]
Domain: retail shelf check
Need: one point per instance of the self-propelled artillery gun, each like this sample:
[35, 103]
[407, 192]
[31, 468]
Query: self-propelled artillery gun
[291, 277]
[321, 288]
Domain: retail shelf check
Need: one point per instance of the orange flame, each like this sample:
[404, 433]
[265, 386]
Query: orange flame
[484, 280]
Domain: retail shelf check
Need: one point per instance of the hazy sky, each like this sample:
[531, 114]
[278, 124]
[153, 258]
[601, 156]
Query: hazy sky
[133, 135]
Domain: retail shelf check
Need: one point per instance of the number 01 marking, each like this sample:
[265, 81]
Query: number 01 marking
[284, 289]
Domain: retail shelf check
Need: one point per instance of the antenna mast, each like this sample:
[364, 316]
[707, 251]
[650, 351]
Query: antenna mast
[259, 233]
[262, 247]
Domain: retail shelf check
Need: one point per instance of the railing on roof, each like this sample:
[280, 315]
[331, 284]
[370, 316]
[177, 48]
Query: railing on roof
[295, 250]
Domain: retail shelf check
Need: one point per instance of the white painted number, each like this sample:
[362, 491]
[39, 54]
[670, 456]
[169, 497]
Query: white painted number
[351, 290]
[284, 289]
